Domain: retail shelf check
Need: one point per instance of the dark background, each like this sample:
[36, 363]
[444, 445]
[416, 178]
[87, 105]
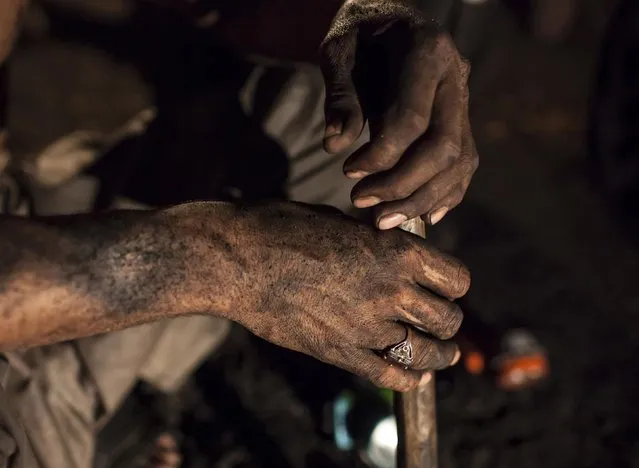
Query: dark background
[545, 248]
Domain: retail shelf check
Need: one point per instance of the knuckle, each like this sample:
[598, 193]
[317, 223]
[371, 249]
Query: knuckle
[443, 43]
[390, 292]
[450, 147]
[381, 155]
[438, 49]
[412, 122]
[432, 192]
[398, 191]
[405, 250]
[469, 164]
[386, 149]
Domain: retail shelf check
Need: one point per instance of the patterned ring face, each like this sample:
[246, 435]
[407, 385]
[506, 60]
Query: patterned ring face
[402, 353]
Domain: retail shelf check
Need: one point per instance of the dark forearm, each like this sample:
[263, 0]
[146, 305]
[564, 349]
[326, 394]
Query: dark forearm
[74, 276]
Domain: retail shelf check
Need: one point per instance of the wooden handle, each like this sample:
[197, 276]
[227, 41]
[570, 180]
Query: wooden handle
[415, 410]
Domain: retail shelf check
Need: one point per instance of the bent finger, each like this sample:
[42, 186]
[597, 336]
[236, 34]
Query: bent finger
[371, 366]
[427, 157]
[437, 271]
[433, 314]
[419, 352]
[431, 353]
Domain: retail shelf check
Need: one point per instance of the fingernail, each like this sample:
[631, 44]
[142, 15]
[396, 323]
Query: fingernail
[366, 202]
[356, 174]
[456, 358]
[425, 378]
[332, 130]
[391, 220]
[436, 216]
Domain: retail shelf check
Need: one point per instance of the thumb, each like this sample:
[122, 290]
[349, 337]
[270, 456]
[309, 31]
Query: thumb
[342, 110]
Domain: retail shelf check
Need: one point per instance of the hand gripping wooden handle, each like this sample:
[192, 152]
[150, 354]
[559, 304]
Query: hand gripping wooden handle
[415, 411]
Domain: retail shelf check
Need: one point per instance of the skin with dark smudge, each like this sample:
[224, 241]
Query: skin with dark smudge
[386, 63]
[305, 278]
[301, 277]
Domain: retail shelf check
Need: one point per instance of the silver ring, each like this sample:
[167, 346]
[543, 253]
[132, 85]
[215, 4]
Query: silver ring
[402, 352]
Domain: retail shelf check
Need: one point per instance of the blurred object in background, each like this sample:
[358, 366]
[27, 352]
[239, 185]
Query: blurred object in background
[361, 416]
[363, 422]
[470, 27]
[552, 20]
[522, 363]
[614, 114]
[548, 20]
[513, 357]
[468, 22]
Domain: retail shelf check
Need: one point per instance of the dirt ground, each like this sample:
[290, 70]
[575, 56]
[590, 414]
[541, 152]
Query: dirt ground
[544, 250]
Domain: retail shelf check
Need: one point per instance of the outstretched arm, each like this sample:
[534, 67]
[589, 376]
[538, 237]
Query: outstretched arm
[301, 277]
[74, 276]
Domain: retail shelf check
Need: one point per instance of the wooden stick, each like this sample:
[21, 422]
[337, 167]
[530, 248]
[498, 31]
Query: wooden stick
[415, 410]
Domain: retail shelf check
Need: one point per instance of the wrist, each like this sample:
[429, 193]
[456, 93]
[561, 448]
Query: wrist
[212, 271]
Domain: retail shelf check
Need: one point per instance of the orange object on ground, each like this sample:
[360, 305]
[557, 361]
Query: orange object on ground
[514, 357]
[522, 371]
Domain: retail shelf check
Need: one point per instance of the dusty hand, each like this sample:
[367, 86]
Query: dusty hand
[326, 285]
[385, 63]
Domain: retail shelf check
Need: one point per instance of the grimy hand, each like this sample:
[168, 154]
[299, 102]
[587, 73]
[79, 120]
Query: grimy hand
[306, 278]
[341, 291]
[385, 62]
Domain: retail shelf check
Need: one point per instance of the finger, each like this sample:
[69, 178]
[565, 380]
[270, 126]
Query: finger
[437, 316]
[426, 158]
[388, 142]
[426, 199]
[369, 365]
[421, 204]
[466, 167]
[447, 203]
[430, 353]
[438, 272]
[342, 110]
